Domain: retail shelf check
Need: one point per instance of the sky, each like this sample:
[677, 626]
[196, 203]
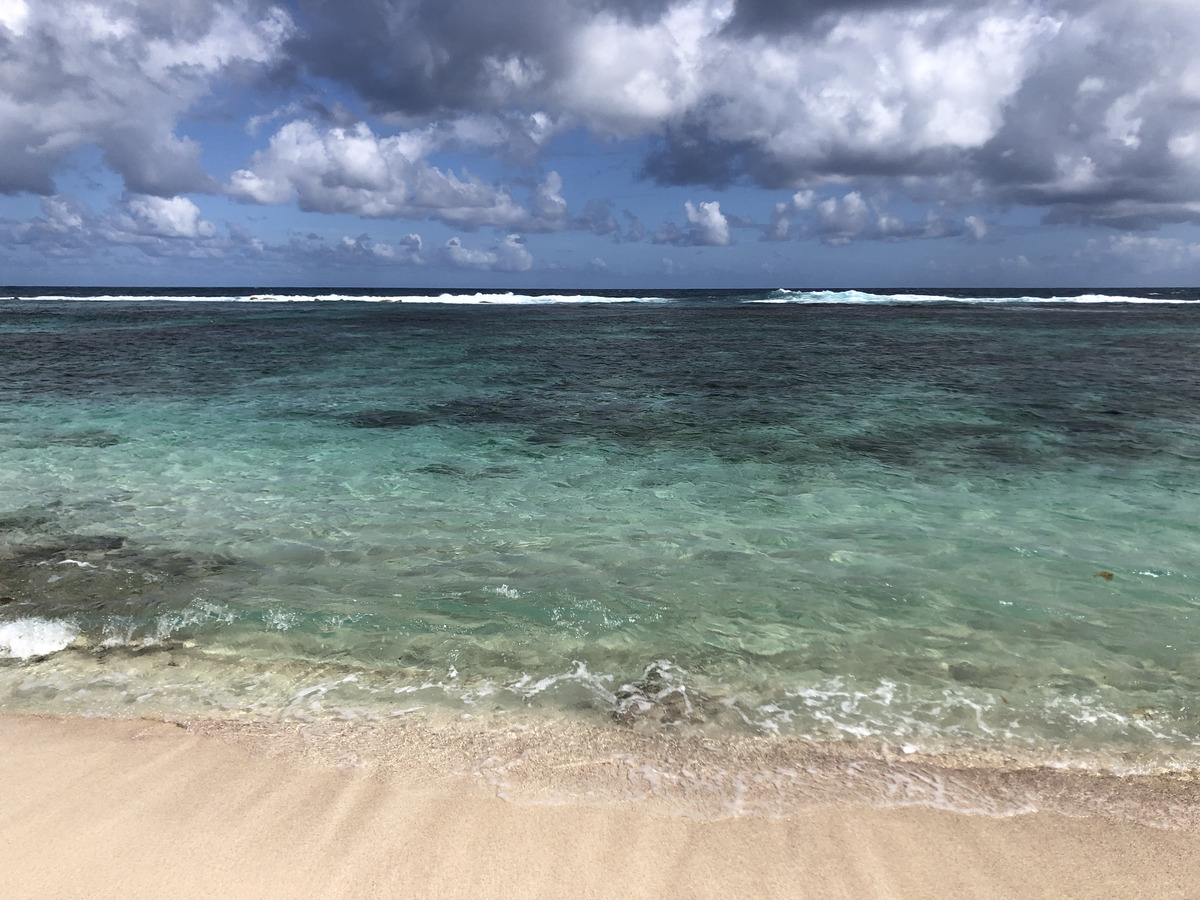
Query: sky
[600, 143]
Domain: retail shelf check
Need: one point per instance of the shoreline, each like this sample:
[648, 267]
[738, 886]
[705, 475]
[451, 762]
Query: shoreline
[437, 807]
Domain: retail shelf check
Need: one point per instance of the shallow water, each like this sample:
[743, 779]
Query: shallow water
[957, 523]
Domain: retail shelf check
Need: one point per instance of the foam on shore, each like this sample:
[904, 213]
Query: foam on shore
[529, 759]
[33, 636]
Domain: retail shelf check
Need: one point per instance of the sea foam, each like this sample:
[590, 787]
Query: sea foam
[783, 295]
[30, 637]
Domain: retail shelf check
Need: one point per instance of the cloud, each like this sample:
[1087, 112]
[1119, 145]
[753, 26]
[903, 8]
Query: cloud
[635, 231]
[838, 221]
[356, 251]
[888, 84]
[1154, 255]
[710, 227]
[882, 93]
[842, 220]
[549, 208]
[118, 76]
[784, 211]
[509, 255]
[1088, 109]
[408, 249]
[168, 217]
[976, 227]
[156, 226]
[65, 228]
[1103, 129]
[597, 217]
[753, 17]
[351, 170]
[142, 228]
[174, 228]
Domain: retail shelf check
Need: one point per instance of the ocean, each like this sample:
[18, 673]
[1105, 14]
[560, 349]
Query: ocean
[934, 522]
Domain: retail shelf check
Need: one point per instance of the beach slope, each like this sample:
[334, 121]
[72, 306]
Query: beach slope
[135, 808]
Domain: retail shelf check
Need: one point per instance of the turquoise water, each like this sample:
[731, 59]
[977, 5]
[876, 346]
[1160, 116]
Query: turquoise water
[946, 523]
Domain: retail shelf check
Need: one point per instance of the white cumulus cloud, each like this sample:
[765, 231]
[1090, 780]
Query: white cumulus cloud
[118, 76]
[712, 228]
[709, 227]
[168, 217]
[843, 219]
[352, 170]
[509, 255]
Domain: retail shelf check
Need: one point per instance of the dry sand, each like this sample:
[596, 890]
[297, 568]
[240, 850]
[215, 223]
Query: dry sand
[133, 808]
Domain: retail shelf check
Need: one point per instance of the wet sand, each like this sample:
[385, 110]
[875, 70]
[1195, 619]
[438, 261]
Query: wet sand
[136, 808]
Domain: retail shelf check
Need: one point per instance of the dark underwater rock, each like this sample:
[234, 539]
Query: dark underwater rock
[387, 418]
[88, 438]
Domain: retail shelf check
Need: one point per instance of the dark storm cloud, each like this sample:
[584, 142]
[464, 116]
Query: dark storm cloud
[422, 56]
[689, 154]
[1107, 129]
[772, 16]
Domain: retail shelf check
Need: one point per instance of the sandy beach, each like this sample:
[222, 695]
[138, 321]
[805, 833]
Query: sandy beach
[138, 808]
